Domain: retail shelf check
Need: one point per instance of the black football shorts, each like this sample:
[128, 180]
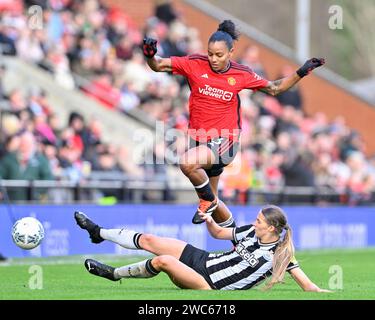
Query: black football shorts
[224, 150]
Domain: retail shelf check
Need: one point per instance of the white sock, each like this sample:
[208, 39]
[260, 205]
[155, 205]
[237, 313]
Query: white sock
[142, 269]
[227, 223]
[124, 237]
[203, 184]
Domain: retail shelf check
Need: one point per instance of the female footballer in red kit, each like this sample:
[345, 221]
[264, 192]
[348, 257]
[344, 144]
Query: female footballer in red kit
[214, 110]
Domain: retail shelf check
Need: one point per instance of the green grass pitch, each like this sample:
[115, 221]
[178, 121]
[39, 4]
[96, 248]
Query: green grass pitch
[65, 278]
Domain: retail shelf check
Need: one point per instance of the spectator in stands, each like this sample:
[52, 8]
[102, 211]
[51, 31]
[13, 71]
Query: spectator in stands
[57, 62]
[263, 136]
[50, 152]
[137, 73]
[42, 130]
[107, 162]
[91, 137]
[361, 181]
[176, 42]
[10, 125]
[17, 102]
[29, 47]
[129, 99]
[131, 169]
[165, 11]
[350, 143]
[102, 89]
[11, 144]
[2, 74]
[23, 162]
[322, 170]
[124, 49]
[156, 169]
[274, 178]
[296, 167]
[7, 43]
[160, 30]
[250, 57]
[42, 99]
[70, 157]
[286, 122]
[54, 120]
[77, 124]
[238, 178]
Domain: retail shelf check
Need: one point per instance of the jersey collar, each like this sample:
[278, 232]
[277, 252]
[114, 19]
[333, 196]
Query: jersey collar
[224, 71]
[269, 244]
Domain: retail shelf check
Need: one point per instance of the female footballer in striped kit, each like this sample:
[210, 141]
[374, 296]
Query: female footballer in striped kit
[214, 110]
[262, 250]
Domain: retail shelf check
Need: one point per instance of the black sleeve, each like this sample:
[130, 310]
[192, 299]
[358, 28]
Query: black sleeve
[292, 264]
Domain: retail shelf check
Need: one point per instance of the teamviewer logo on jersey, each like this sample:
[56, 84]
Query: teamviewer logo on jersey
[216, 93]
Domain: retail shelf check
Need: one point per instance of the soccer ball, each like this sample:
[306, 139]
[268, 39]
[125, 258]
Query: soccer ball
[27, 233]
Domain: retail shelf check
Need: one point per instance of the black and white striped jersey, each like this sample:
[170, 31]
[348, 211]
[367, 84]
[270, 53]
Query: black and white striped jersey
[246, 265]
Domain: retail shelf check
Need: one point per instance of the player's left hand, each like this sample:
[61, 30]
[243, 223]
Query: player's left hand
[149, 47]
[310, 65]
[206, 217]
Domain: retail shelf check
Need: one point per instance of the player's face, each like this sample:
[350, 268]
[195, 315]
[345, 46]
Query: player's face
[262, 228]
[219, 55]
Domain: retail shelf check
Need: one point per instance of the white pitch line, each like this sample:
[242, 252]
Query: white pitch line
[57, 261]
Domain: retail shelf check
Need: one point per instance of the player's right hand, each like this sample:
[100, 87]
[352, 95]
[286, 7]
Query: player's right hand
[149, 47]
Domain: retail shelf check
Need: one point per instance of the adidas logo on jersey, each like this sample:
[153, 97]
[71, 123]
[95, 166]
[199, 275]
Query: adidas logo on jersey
[204, 75]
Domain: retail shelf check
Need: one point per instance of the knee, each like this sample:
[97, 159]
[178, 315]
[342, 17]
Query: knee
[163, 262]
[188, 168]
[146, 240]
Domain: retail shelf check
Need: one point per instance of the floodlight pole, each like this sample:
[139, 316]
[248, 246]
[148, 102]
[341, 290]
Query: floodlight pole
[302, 27]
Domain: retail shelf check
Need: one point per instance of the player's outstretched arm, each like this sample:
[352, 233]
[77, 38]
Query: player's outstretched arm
[281, 85]
[304, 282]
[156, 63]
[215, 230]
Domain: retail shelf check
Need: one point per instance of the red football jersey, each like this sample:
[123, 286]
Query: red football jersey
[214, 104]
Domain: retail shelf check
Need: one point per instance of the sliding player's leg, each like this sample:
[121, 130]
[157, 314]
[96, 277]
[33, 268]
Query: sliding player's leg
[179, 273]
[131, 239]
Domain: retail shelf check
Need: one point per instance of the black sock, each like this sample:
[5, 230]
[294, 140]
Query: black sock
[204, 191]
[150, 269]
[136, 240]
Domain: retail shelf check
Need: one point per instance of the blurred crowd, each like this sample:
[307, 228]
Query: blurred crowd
[89, 46]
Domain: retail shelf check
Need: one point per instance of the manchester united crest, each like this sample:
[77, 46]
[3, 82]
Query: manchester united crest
[231, 81]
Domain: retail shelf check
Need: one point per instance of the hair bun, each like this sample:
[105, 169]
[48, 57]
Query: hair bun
[229, 27]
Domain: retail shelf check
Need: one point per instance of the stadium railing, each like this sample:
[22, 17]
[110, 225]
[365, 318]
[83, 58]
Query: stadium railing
[160, 190]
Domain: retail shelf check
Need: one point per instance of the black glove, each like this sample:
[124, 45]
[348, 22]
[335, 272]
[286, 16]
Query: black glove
[149, 47]
[309, 66]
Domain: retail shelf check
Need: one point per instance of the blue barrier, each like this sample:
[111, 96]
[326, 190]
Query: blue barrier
[314, 227]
